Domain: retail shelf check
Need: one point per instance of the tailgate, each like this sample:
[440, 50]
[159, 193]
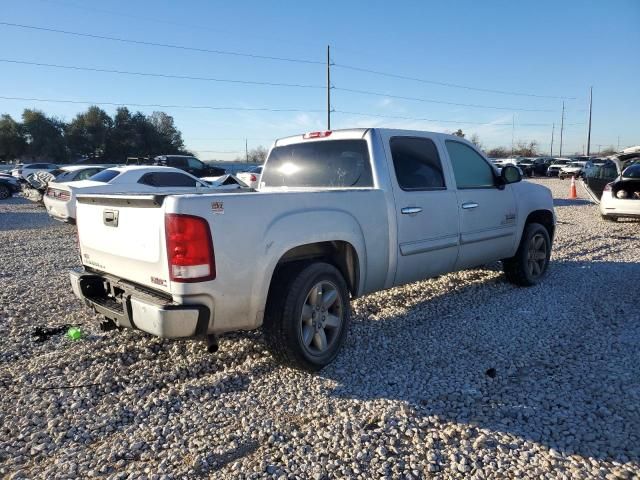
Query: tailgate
[124, 236]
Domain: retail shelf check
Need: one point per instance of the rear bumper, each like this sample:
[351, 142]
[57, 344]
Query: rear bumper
[130, 306]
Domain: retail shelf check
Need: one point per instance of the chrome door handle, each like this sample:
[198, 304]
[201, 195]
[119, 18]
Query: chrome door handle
[469, 205]
[411, 210]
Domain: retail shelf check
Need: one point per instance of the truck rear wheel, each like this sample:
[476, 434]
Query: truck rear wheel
[529, 265]
[307, 315]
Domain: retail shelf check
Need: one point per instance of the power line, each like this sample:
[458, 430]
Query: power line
[445, 84]
[401, 117]
[164, 45]
[428, 100]
[177, 24]
[156, 105]
[161, 75]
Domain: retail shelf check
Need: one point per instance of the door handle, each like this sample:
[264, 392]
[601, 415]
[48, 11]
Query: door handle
[468, 205]
[411, 210]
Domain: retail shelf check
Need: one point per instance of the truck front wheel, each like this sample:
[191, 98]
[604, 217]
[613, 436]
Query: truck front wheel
[307, 315]
[529, 265]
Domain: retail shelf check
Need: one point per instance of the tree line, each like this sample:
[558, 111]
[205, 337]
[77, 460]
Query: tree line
[91, 135]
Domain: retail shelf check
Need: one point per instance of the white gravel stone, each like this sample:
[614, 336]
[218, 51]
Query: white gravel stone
[408, 397]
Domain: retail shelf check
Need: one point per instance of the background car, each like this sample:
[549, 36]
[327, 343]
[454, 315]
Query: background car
[526, 166]
[8, 186]
[556, 165]
[540, 165]
[621, 198]
[60, 197]
[251, 177]
[573, 169]
[22, 172]
[189, 164]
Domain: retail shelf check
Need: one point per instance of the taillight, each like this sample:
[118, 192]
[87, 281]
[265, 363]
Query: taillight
[253, 178]
[189, 248]
[326, 133]
[62, 195]
[607, 187]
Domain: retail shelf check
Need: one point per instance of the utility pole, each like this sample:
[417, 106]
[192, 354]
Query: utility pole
[553, 127]
[561, 128]
[328, 87]
[589, 133]
[246, 151]
[513, 131]
[618, 149]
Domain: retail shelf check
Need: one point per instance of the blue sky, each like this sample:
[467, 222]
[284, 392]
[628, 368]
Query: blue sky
[542, 48]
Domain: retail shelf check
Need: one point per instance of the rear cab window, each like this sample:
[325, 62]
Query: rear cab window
[330, 164]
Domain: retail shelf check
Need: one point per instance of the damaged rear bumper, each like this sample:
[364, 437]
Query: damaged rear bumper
[132, 306]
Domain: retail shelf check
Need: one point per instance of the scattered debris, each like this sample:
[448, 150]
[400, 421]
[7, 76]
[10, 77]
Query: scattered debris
[40, 334]
[74, 333]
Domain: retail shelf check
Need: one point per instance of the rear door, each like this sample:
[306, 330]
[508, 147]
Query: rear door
[488, 215]
[426, 208]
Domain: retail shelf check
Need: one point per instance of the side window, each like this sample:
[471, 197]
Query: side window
[177, 163]
[168, 179]
[84, 174]
[195, 163]
[416, 163]
[469, 168]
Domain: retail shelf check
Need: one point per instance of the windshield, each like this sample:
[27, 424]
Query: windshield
[334, 163]
[105, 176]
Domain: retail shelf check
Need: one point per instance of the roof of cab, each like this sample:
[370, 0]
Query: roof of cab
[350, 133]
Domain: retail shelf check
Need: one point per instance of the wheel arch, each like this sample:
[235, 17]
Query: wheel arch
[544, 218]
[339, 253]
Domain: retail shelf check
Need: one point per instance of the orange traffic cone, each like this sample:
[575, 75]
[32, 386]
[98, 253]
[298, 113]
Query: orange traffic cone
[572, 189]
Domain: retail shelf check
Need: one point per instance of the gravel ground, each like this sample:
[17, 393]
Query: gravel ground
[463, 375]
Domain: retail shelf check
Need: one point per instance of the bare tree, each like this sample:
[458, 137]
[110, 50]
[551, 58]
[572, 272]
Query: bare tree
[524, 149]
[475, 139]
[498, 152]
[610, 150]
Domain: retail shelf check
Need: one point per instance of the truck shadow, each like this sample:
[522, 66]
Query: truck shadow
[500, 359]
[570, 202]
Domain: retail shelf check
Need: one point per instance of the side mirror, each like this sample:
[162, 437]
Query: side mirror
[510, 174]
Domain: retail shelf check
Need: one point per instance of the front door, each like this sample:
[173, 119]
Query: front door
[426, 209]
[488, 214]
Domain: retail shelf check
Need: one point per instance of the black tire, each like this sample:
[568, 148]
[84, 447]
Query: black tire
[519, 269]
[283, 322]
[609, 218]
[4, 192]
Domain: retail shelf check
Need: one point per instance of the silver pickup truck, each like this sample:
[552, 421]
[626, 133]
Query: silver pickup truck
[337, 214]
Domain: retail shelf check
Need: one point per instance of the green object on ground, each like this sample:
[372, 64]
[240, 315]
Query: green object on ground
[74, 333]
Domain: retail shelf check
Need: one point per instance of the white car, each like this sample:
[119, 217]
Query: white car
[621, 198]
[252, 177]
[22, 172]
[60, 198]
[574, 169]
[556, 165]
